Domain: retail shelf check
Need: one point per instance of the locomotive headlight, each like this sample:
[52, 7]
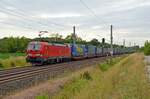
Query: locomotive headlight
[29, 54]
[38, 55]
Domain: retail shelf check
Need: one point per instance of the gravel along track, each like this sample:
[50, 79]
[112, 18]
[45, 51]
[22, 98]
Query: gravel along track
[15, 79]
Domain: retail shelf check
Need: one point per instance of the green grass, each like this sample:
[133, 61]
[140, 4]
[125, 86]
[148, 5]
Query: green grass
[68, 90]
[9, 60]
[13, 62]
[42, 97]
[71, 88]
[124, 80]
[8, 55]
[108, 63]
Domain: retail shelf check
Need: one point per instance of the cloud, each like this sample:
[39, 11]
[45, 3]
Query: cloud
[10, 8]
[130, 18]
[59, 15]
[130, 5]
[3, 15]
[96, 27]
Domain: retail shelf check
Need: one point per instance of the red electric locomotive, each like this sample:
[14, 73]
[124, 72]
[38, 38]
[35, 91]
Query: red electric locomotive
[39, 53]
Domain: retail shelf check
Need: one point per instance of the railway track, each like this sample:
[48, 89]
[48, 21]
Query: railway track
[29, 69]
[11, 78]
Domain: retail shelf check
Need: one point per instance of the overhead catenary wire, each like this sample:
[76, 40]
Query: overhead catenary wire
[24, 27]
[23, 15]
[21, 10]
[19, 14]
[27, 20]
[91, 11]
[94, 15]
[23, 22]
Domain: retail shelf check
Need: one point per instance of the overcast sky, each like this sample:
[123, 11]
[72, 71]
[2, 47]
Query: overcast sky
[92, 18]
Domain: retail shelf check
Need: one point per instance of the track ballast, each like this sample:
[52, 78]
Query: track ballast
[15, 79]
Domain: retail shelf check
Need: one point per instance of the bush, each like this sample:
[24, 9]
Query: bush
[1, 65]
[147, 48]
[13, 44]
[43, 97]
[86, 75]
[108, 63]
[72, 88]
[13, 62]
[104, 66]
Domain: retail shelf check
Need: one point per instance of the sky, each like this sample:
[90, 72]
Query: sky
[92, 18]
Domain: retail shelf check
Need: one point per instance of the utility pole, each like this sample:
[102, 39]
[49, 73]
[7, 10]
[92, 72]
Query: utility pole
[103, 44]
[74, 35]
[111, 39]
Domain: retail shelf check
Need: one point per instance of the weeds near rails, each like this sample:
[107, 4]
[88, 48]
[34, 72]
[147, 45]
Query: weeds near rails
[71, 89]
[43, 97]
[86, 75]
[108, 63]
[13, 62]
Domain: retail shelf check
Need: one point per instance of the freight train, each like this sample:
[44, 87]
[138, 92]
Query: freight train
[39, 53]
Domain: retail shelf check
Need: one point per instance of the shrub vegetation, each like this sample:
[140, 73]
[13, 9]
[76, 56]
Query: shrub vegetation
[147, 48]
[13, 62]
[108, 63]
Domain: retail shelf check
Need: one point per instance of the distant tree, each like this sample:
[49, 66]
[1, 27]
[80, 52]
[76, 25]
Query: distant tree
[94, 42]
[56, 36]
[79, 40]
[13, 44]
[141, 49]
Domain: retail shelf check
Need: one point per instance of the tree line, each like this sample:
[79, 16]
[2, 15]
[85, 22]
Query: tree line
[19, 44]
[13, 44]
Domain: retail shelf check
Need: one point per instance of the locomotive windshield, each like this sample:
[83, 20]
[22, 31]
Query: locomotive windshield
[34, 46]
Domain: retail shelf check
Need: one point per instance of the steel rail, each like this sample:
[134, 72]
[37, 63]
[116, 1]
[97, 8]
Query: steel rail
[15, 74]
[14, 71]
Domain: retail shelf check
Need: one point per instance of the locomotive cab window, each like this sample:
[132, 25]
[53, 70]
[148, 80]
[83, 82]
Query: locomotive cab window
[34, 47]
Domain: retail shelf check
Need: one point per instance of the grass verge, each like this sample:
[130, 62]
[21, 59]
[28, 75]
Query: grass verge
[125, 80]
[13, 62]
[9, 55]
[109, 62]
[9, 60]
